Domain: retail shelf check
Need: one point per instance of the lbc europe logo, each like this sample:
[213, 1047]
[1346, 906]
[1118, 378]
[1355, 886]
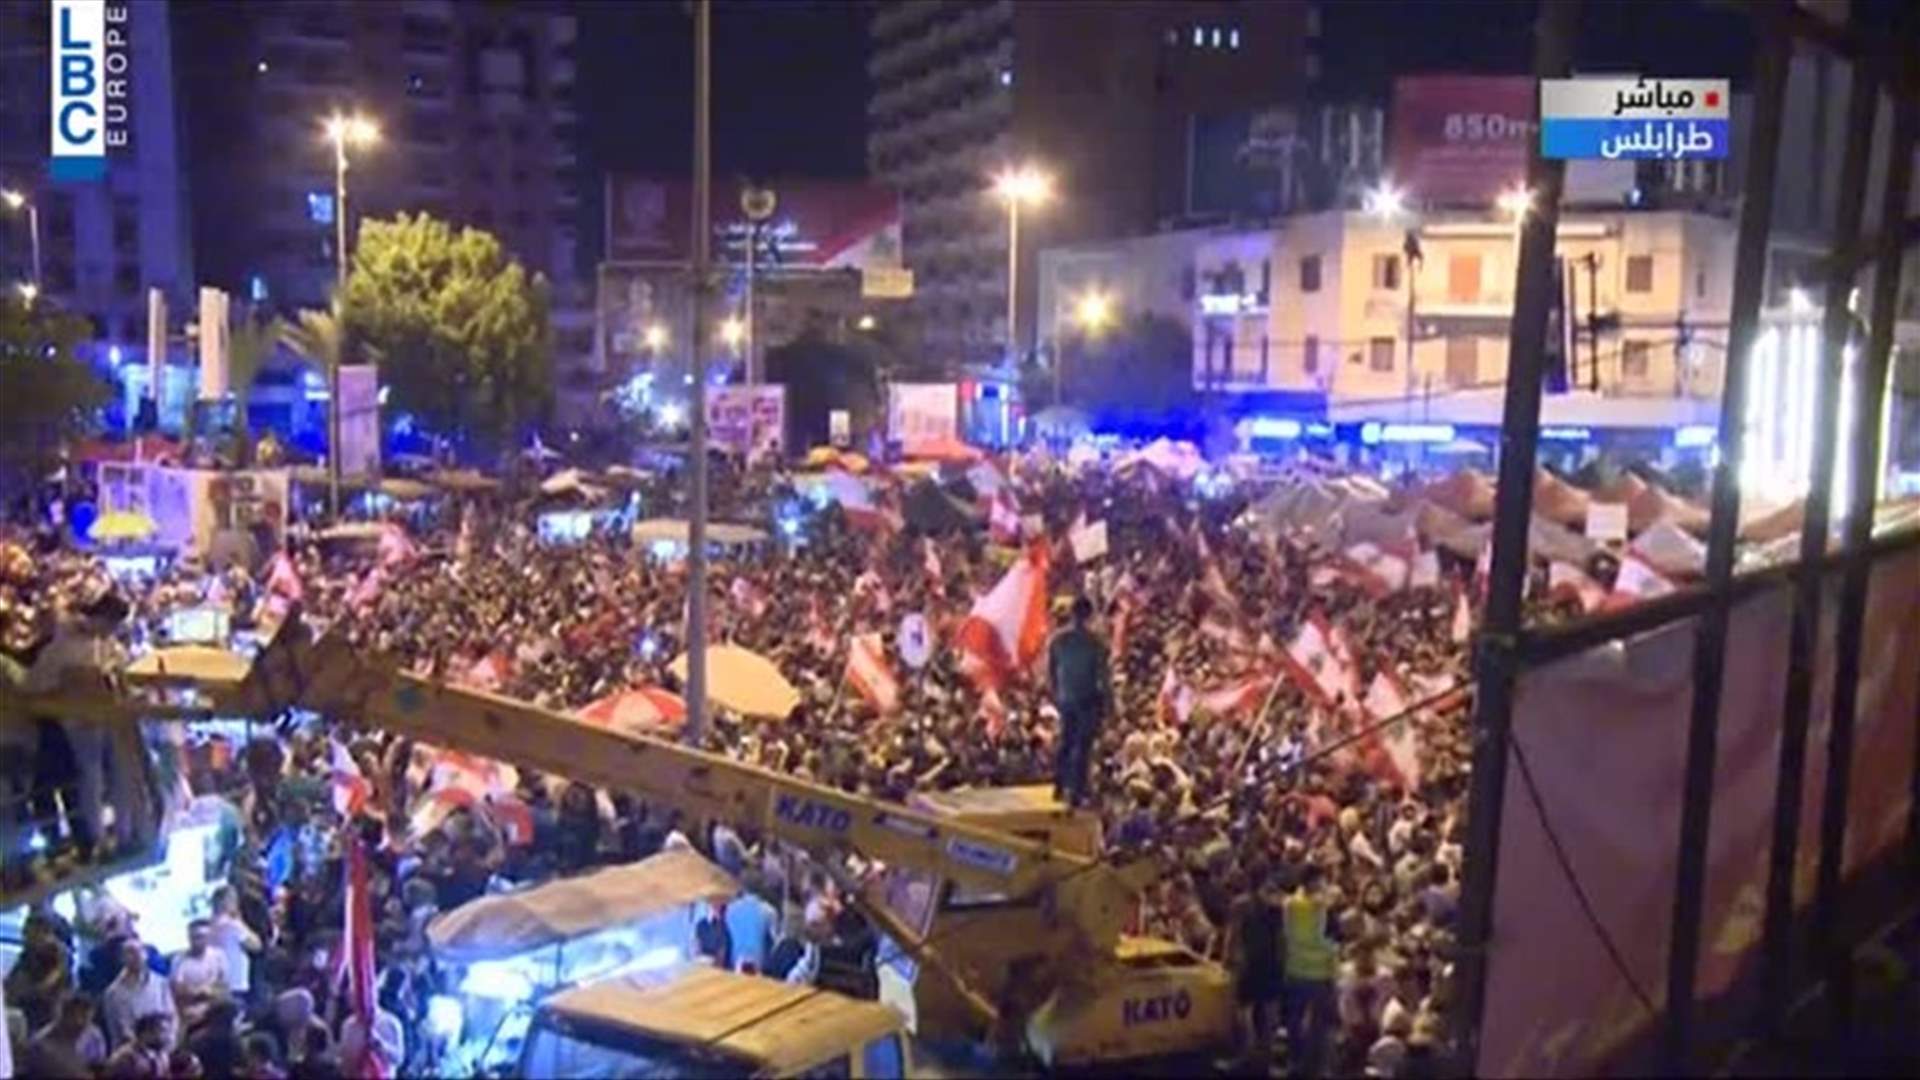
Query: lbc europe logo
[89, 86]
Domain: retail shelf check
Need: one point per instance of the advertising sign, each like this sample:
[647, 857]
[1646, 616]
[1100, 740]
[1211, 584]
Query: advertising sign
[919, 413]
[1461, 138]
[213, 344]
[749, 420]
[359, 420]
[814, 223]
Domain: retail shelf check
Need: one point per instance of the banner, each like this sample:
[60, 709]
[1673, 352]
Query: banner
[748, 420]
[815, 223]
[214, 330]
[359, 420]
[920, 413]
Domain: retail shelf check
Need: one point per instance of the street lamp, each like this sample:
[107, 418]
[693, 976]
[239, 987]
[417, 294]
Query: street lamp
[1388, 203]
[342, 131]
[733, 332]
[1022, 186]
[1517, 201]
[28, 292]
[1385, 202]
[15, 200]
[654, 337]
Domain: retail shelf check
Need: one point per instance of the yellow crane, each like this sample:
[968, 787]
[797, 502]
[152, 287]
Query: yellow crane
[1022, 936]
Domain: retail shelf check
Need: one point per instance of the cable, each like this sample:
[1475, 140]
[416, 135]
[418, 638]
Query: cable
[1573, 881]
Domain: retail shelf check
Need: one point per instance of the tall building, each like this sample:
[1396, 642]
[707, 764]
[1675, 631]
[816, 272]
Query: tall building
[1103, 104]
[104, 243]
[475, 105]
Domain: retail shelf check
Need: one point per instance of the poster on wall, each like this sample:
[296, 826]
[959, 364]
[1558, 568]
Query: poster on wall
[359, 420]
[1462, 138]
[920, 413]
[749, 420]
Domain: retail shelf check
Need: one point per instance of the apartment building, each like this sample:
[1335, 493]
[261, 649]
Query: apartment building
[963, 90]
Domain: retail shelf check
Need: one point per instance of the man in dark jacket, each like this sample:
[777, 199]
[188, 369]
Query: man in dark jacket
[1078, 673]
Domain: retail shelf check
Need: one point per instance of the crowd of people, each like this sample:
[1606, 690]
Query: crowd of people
[1322, 868]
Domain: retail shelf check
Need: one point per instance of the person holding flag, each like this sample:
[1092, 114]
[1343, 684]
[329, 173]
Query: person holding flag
[1081, 682]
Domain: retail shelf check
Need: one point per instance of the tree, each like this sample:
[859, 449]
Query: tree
[249, 347]
[460, 327]
[51, 395]
[1137, 375]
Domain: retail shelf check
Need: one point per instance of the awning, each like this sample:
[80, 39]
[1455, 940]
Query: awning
[509, 924]
[745, 681]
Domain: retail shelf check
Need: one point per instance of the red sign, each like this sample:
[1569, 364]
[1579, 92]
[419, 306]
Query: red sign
[815, 223]
[1462, 138]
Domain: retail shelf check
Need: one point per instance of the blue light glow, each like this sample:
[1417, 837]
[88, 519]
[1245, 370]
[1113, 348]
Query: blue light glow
[1273, 427]
[1694, 436]
[1373, 432]
[1566, 434]
[114, 355]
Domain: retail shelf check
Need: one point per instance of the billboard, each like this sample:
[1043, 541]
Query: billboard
[1462, 139]
[750, 420]
[919, 413]
[815, 223]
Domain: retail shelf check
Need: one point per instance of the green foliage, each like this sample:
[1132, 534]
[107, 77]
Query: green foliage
[460, 328]
[49, 397]
[249, 347]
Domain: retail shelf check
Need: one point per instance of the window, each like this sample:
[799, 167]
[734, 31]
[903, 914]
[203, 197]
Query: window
[1199, 37]
[1640, 273]
[1386, 272]
[1310, 355]
[1233, 38]
[1463, 279]
[1636, 360]
[1380, 354]
[1310, 273]
[1463, 361]
[1216, 37]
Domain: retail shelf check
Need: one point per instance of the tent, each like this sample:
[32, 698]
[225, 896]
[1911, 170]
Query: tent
[1655, 505]
[1467, 492]
[1558, 501]
[745, 681]
[641, 710]
[511, 924]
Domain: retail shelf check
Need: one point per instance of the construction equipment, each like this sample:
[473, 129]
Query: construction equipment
[1020, 939]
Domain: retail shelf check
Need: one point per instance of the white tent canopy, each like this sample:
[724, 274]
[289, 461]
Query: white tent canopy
[677, 529]
[509, 924]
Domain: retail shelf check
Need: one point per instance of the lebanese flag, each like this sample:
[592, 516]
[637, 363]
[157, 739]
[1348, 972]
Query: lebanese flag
[351, 791]
[1313, 660]
[930, 557]
[283, 580]
[1003, 518]
[1007, 629]
[1567, 580]
[354, 976]
[1426, 570]
[1242, 697]
[1397, 746]
[1379, 570]
[1636, 581]
[869, 673]
[639, 710]
[366, 592]
[395, 548]
[513, 817]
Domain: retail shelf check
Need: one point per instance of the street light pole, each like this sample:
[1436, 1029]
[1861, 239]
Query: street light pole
[697, 405]
[18, 200]
[1013, 283]
[340, 291]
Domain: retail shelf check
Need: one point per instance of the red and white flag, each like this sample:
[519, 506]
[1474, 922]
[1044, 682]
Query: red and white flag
[1379, 570]
[396, 549]
[1241, 698]
[871, 676]
[1565, 580]
[488, 673]
[1176, 698]
[1314, 662]
[284, 580]
[1003, 518]
[355, 974]
[1636, 581]
[1395, 751]
[351, 791]
[1462, 627]
[1006, 631]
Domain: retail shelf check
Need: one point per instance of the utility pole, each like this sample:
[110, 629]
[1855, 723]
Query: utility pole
[1593, 320]
[1410, 246]
[697, 406]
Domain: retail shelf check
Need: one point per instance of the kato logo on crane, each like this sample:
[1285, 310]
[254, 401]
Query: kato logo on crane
[1155, 1010]
[812, 814]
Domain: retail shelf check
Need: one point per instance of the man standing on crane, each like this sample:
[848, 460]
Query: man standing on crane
[1082, 685]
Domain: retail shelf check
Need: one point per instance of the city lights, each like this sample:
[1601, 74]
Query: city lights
[29, 292]
[865, 322]
[1094, 312]
[1025, 185]
[733, 332]
[355, 130]
[1516, 201]
[1386, 201]
[654, 337]
[15, 200]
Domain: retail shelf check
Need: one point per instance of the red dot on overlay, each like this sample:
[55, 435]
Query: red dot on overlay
[1713, 98]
